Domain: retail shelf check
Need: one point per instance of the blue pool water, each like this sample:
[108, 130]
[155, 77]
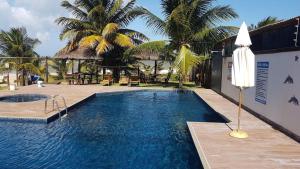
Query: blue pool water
[133, 130]
[23, 98]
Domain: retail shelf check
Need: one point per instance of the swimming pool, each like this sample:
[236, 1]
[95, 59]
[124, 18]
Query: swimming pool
[17, 98]
[131, 130]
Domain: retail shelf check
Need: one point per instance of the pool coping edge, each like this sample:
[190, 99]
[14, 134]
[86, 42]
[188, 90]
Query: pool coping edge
[55, 116]
[198, 146]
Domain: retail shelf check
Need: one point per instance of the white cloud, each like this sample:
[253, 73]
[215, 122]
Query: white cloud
[38, 17]
[43, 36]
[41, 7]
[22, 16]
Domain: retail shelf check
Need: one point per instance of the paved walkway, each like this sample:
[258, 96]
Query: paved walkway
[266, 148]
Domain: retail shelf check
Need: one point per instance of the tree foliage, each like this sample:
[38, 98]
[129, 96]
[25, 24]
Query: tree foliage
[193, 27]
[264, 22]
[100, 25]
[267, 21]
[17, 45]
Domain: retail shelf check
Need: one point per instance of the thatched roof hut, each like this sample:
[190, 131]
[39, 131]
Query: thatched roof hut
[148, 51]
[79, 54]
[147, 56]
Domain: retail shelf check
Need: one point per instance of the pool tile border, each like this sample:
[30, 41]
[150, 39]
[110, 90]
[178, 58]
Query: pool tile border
[55, 116]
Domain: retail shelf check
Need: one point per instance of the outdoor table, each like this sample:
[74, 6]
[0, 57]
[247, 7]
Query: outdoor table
[88, 76]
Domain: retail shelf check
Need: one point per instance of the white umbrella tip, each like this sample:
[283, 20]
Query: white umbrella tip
[243, 38]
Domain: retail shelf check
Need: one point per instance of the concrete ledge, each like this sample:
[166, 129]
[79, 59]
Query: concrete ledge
[198, 146]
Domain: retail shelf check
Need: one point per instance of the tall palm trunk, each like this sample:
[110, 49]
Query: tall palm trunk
[23, 73]
[23, 77]
[181, 77]
[169, 75]
[17, 76]
[17, 72]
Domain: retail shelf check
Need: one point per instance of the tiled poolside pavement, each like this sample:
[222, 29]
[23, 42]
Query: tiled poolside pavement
[266, 148]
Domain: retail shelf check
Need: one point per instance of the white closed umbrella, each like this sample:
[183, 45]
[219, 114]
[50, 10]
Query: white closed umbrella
[243, 71]
[243, 67]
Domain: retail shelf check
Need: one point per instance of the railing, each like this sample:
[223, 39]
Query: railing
[55, 105]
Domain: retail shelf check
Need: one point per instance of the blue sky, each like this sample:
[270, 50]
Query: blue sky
[250, 11]
[38, 17]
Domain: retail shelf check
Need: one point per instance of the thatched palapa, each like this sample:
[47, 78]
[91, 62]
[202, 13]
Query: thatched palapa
[79, 54]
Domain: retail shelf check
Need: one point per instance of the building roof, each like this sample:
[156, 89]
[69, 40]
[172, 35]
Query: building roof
[80, 53]
[147, 56]
[276, 25]
[278, 37]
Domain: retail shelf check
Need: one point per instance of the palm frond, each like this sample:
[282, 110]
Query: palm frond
[216, 15]
[168, 6]
[76, 11]
[267, 21]
[186, 60]
[86, 4]
[109, 29]
[123, 41]
[91, 41]
[103, 47]
[134, 34]
[152, 20]
[98, 12]
[115, 7]
[123, 15]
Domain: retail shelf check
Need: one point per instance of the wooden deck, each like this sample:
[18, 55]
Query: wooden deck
[266, 148]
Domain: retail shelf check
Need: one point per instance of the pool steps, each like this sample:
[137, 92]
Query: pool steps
[58, 108]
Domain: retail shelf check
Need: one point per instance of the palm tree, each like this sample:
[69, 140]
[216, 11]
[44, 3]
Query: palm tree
[192, 27]
[267, 21]
[100, 25]
[252, 27]
[154, 48]
[264, 22]
[18, 47]
[61, 67]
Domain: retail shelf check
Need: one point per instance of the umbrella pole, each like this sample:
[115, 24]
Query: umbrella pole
[240, 107]
[238, 133]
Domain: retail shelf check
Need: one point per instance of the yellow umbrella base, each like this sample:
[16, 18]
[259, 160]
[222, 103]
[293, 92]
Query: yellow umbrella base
[238, 134]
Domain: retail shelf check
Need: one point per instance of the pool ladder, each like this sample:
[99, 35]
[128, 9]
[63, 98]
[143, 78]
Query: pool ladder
[55, 105]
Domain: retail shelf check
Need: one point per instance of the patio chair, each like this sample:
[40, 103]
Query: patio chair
[134, 80]
[70, 78]
[124, 80]
[35, 78]
[107, 80]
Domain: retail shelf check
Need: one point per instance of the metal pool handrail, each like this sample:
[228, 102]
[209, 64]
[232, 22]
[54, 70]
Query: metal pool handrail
[55, 102]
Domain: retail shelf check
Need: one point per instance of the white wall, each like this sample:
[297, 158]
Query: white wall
[277, 109]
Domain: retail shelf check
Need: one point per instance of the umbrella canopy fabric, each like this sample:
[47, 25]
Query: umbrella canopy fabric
[243, 66]
[243, 38]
